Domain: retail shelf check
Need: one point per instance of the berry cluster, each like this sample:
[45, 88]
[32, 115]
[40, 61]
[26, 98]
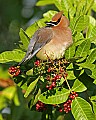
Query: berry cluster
[53, 81]
[40, 106]
[66, 106]
[14, 71]
[73, 95]
[37, 63]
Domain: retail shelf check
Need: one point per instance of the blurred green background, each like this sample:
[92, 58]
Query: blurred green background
[15, 14]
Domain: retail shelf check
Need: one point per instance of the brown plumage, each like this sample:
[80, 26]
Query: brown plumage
[50, 41]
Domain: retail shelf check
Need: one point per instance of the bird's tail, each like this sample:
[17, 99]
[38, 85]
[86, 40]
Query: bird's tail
[25, 59]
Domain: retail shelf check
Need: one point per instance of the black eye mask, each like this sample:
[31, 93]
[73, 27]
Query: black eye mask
[50, 24]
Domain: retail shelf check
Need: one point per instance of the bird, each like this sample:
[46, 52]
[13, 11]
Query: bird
[50, 41]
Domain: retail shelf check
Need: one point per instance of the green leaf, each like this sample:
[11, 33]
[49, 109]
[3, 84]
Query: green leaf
[44, 2]
[92, 57]
[64, 8]
[87, 65]
[94, 6]
[58, 4]
[31, 29]
[78, 86]
[8, 56]
[71, 75]
[79, 37]
[94, 106]
[36, 98]
[54, 96]
[9, 95]
[16, 100]
[24, 38]
[70, 72]
[3, 102]
[92, 20]
[1, 117]
[81, 23]
[31, 87]
[68, 7]
[93, 100]
[83, 48]
[69, 53]
[93, 32]
[82, 110]
[48, 15]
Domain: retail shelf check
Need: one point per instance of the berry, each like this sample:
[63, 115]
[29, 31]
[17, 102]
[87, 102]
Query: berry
[76, 95]
[49, 70]
[50, 87]
[47, 86]
[65, 108]
[69, 101]
[37, 63]
[57, 77]
[73, 95]
[14, 71]
[65, 104]
[69, 109]
[48, 77]
[61, 70]
[60, 110]
[40, 106]
[54, 84]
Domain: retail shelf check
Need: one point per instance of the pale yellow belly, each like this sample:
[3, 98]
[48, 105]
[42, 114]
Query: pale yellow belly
[51, 51]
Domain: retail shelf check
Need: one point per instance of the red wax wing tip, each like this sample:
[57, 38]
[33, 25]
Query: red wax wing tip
[14, 71]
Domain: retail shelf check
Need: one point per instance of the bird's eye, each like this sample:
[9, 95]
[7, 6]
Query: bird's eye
[51, 23]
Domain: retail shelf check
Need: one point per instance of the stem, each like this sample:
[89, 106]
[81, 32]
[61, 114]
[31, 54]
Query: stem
[68, 84]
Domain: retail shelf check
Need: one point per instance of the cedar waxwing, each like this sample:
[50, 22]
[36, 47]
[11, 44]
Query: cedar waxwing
[50, 41]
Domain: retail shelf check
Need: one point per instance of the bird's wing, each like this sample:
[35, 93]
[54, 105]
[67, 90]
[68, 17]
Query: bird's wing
[39, 39]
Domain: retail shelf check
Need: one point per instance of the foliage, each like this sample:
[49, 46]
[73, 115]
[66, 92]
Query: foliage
[80, 67]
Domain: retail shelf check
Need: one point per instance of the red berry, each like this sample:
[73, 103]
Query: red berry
[68, 106]
[14, 71]
[73, 93]
[49, 70]
[40, 106]
[65, 108]
[50, 87]
[47, 86]
[54, 84]
[57, 77]
[53, 79]
[60, 110]
[69, 101]
[37, 63]
[66, 111]
[71, 96]
[61, 70]
[76, 95]
[69, 109]
[65, 104]
[37, 105]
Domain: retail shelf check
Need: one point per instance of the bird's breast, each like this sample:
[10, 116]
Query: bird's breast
[55, 49]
